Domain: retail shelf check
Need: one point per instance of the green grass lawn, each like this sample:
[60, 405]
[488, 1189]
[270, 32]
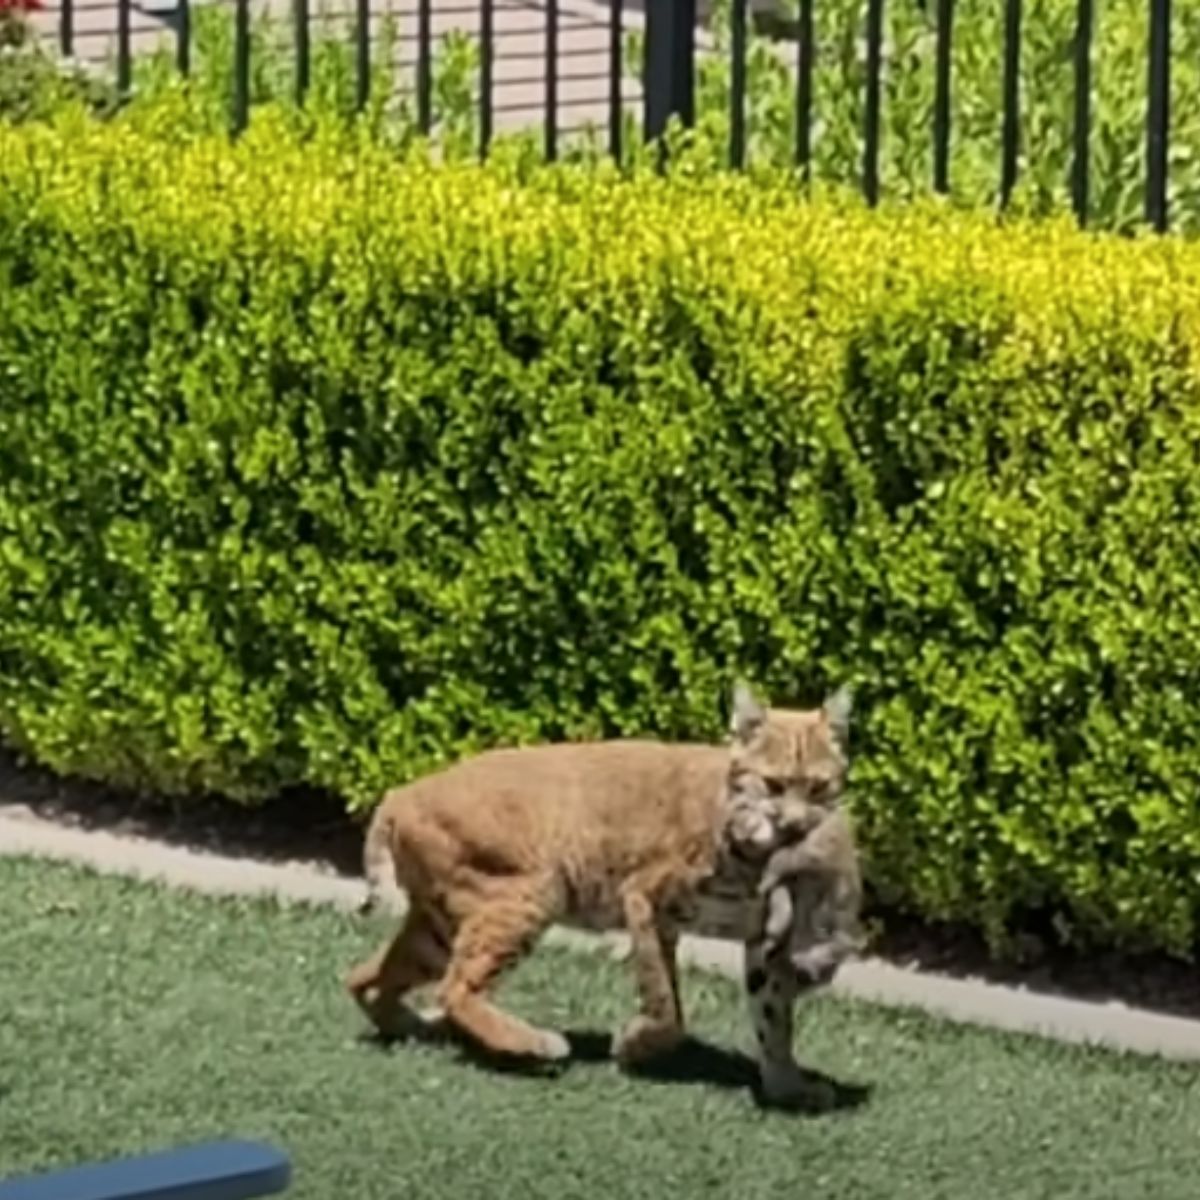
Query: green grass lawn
[133, 1017]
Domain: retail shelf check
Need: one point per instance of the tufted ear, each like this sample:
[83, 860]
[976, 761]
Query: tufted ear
[748, 716]
[837, 713]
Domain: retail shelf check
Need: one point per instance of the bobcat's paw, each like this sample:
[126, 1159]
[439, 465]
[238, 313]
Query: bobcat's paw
[552, 1047]
[396, 1022]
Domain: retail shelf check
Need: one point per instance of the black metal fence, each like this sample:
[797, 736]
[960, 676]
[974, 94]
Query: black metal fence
[669, 80]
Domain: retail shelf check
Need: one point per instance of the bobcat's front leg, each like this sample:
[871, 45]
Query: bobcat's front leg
[658, 1027]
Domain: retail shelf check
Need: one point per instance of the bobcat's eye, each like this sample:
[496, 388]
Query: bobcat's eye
[775, 787]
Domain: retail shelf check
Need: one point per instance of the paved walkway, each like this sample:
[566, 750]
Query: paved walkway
[1111, 1024]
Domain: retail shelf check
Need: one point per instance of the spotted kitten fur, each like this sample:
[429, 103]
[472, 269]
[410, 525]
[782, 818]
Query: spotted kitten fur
[807, 881]
[812, 890]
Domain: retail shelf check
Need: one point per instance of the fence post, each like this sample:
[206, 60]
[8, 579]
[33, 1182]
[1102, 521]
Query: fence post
[241, 66]
[1158, 114]
[1084, 20]
[670, 84]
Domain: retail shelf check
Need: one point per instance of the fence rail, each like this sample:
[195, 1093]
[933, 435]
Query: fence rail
[668, 81]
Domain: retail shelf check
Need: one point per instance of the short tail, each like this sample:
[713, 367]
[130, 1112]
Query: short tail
[379, 865]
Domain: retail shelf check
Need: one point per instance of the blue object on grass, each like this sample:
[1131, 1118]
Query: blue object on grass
[212, 1171]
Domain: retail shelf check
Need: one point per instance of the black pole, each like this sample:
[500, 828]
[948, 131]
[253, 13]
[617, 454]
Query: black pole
[551, 80]
[124, 51]
[670, 83]
[303, 54]
[424, 66]
[616, 68]
[1083, 108]
[362, 53]
[241, 66]
[66, 28]
[1158, 114]
[487, 22]
[941, 99]
[183, 39]
[804, 77]
[874, 89]
[737, 85]
[1011, 135]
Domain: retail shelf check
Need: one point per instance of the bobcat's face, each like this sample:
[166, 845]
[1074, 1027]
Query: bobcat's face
[788, 767]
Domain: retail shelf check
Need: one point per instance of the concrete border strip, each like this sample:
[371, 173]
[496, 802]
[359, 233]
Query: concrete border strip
[1112, 1025]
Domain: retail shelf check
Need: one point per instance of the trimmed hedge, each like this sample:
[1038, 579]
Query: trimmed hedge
[319, 467]
[35, 84]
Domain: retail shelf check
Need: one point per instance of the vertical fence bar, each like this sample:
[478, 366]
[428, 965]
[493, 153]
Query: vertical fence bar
[362, 53]
[425, 66]
[183, 39]
[551, 80]
[670, 81]
[1158, 114]
[616, 68]
[874, 89]
[487, 33]
[241, 66]
[1011, 133]
[737, 85]
[941, 98]
[1083, 108]
[303, 52]
[804, 78]
[124, 49]
[66, 28]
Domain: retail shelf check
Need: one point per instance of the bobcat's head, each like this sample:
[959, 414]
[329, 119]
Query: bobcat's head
[787, 767]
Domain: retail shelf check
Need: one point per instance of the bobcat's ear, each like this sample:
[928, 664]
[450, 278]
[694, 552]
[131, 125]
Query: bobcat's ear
[748, 716]
[837, 712]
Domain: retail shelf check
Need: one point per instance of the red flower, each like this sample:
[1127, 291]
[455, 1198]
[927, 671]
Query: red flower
[21, 6]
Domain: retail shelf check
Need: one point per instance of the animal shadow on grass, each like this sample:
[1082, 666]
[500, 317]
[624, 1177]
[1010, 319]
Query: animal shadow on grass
[694, 1061]
[698, 1061]
[436, 1031]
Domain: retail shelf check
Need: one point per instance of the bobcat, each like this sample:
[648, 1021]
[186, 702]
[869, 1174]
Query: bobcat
[640, 834]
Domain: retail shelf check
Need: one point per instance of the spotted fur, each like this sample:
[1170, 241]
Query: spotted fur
[808, 889]
[812, 891]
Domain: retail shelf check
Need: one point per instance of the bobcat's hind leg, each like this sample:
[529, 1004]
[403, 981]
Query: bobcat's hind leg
[499, 932]
[416, 955]
[658, 1027]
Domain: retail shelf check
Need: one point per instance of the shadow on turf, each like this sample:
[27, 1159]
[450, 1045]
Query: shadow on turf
[694, 1062]
[697, 1061]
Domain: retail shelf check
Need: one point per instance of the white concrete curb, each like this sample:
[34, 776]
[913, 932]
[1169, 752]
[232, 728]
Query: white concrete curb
[971, 1001]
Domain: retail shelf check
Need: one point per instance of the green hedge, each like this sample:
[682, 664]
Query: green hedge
[318, 467]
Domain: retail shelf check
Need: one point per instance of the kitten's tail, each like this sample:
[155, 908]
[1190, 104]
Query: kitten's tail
[379, 865]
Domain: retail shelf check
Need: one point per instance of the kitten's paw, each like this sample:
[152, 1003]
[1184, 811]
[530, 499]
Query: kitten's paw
[815, 969]
[643, 1039]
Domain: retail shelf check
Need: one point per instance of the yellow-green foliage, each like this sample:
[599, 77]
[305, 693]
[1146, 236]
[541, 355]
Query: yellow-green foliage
[320, 467]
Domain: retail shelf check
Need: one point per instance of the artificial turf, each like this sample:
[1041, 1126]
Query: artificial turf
[134, 1017]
